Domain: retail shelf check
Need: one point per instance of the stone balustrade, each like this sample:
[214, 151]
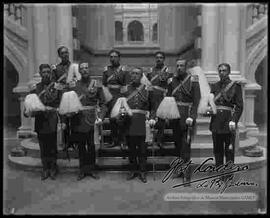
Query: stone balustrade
[16, 12]
[255, 11]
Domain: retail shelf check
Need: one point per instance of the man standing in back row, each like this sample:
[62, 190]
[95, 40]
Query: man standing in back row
[114, 78]
[159, 76]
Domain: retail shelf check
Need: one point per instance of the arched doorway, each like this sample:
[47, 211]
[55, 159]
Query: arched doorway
[260, 110]
[12, 118]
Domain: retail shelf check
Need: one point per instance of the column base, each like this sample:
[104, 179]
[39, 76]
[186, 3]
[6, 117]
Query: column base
[24, 132]
[252, 131]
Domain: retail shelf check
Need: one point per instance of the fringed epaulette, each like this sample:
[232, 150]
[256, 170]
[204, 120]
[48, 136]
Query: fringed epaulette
[194, 78]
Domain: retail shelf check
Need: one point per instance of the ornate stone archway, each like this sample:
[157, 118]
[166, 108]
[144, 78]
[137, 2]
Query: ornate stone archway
[16, 57]
[255, 57]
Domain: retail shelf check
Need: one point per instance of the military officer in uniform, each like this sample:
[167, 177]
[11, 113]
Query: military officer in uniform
[60, 72]
[62, 68]
[46, 122]
[184, 87]
[139, 101]
[114, 78]
[229, 105]
[82, 124]
[159, 76]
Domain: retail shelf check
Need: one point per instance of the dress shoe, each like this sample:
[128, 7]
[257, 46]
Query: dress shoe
[143, 177]
[81, 176]
[114, 144]
[53, 173]
[161, 149]
[131, 175]
[176, 175]
[45, 174]
[94, 176]
[186, 181]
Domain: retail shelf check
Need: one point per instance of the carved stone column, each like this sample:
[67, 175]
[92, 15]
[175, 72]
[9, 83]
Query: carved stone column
[209, 39]
[64, 35]
[250, 89]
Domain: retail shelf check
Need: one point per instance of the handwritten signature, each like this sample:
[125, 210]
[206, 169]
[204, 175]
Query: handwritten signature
[222, 185]
[227, 170]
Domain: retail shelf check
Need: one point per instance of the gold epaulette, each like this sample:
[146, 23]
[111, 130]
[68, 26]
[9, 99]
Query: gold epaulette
[194, 78]
[166, 69]
[33, 87]
[106, 68]
[169, 80]
[53, 66]
[123, 68]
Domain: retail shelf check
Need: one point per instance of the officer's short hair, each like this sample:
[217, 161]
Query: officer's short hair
[83, 62]
[42, 66]
[114, 51]
[182, 59]
[160, 52]
[226, 65]
[137, 68]
[60, 48]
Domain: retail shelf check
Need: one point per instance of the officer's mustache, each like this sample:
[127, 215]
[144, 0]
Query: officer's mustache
[46, 78]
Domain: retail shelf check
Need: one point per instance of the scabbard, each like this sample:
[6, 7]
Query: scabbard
[188, 139]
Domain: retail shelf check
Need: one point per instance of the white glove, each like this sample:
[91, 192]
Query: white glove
[189, 121]
[152, 122]
[232, 125]
[98, 121]
[63, 126]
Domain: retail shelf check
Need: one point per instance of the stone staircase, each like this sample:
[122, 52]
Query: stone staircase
[114, 159]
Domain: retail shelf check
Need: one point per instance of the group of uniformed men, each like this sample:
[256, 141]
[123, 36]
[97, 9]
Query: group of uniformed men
[142, 100]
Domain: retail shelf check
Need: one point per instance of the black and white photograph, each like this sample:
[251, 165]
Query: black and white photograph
[135, 108]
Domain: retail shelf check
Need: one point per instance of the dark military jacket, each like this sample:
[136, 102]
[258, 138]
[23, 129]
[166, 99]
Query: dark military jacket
[115, 77]
[60, 70]
[46, 121]
[233, 99]
[141, 102]
[189, 93]
[159, 78]
[89, 96]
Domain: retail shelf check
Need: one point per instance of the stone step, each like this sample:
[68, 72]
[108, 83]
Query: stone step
[197, 149]
[120, 164]
[201, 136]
